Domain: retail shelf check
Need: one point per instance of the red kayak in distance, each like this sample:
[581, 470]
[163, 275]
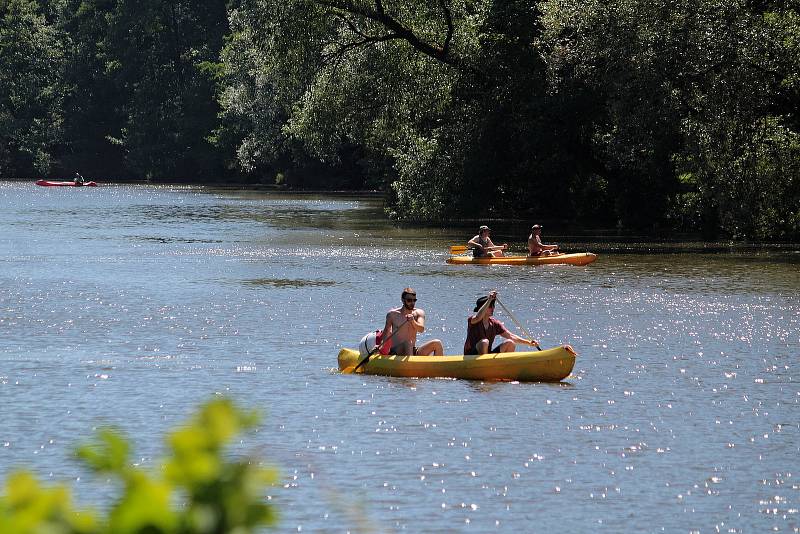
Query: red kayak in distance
[48, 183]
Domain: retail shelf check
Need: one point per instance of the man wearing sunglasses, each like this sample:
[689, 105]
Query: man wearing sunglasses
[404, 323]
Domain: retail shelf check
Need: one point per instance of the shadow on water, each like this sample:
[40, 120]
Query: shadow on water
[364, 214]
[284, 282]
[168, 240]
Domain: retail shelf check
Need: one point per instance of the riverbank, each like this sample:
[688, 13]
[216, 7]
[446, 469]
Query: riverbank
[598, 239]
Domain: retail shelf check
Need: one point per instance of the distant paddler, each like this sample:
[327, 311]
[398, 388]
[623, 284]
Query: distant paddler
[404, 323]
[535, 245]
[482, 246]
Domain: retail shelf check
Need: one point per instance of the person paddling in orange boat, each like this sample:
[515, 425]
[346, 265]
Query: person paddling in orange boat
[535, 245]
[482, 246]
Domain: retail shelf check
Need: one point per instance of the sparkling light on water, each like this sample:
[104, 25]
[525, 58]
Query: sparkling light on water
[128, 305]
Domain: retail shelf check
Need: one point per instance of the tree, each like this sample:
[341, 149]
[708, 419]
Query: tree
[31, 92]
[93, 108]
[452, 94]
[163, 58]
[695, 125]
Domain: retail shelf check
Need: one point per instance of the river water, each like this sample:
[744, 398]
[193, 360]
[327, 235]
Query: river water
[130, 305]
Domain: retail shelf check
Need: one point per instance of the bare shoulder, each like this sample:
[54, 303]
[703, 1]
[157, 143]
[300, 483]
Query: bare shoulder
[419, 312]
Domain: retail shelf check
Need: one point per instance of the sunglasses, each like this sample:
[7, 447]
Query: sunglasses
[410, 300]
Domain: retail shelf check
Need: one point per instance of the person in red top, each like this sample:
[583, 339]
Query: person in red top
[482, 328]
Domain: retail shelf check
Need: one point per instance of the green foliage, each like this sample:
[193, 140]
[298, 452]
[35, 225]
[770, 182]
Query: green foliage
[512, 108]
[591, 110]
[219, 495]
[94, 107]
[31, 92]
[708, 84]
[158, 57]
[452, 94]
[27, 507]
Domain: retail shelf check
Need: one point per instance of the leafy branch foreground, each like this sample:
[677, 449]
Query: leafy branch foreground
[197, 490]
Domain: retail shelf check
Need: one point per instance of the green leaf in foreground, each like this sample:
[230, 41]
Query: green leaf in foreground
[198, 489]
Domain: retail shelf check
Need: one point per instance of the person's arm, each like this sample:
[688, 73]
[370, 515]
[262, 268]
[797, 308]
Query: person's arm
[508, 334]
[473, 243]
[545, 247]
[492, 246]
[478, 317]
[417, 320]
[388, 326]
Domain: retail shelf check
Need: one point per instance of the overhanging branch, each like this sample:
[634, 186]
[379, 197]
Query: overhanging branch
[396, 29]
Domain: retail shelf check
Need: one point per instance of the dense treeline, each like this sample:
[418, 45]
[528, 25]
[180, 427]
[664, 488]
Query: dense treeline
[648, 114]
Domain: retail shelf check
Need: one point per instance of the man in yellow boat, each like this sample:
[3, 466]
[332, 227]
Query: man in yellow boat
[404, 323]
[482, 246]
[535, 245]
[482, 328]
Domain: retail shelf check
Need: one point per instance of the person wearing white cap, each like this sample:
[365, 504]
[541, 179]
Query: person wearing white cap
[535, 245]
[482, 246]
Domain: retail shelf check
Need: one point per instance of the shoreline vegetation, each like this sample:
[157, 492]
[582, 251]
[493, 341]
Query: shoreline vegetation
[646, 116]
[599, 239]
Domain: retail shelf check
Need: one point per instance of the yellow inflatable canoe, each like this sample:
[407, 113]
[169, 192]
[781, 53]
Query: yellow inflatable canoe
[550, 365]
[582, 258]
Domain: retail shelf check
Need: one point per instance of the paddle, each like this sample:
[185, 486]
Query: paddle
[460, 249]
[519, 325]
[375, 350]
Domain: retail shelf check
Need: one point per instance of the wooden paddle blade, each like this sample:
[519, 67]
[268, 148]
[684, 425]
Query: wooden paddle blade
[458, 249]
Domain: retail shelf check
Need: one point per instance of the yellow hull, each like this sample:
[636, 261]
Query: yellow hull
[550, 365]
[582, 258]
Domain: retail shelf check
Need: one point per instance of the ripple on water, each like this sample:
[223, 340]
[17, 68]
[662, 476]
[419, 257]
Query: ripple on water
[283, 282]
